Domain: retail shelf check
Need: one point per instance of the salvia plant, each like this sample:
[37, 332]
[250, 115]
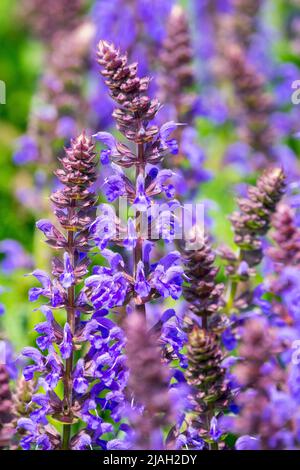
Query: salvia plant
[155, 328]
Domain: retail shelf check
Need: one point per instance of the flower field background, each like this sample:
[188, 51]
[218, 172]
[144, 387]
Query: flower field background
[138, 343]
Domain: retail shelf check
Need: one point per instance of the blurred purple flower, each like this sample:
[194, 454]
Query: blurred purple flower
[14, 256]
[26, 151]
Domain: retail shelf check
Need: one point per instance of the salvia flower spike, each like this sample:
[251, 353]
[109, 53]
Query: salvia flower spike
[134, 112]
[74, 207]
[205, 374]
[254, 218]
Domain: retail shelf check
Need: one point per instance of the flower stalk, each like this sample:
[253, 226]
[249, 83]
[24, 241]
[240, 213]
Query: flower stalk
[205, 373]
[133, 115]
[250, 225]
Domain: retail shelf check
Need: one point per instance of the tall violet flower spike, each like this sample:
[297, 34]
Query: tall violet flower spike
[250, 224]
[143, 281]
[139, 30]
[83, 379]
[205, 373]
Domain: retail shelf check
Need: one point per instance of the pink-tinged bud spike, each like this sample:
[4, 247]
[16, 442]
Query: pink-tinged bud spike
[254, 218]
[148, 383]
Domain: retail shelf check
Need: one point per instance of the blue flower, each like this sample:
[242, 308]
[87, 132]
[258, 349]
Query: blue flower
[27, 150]
[66, 346]
[36, 356]
[103, 229]
[167, 277]
[43, 402]
[109, 140]
[190, 439]
[115, 184]
[14, 256]
[46, 329]
[67, 279]
[165, 130]
[54, 367]
[142, 201]
[83, 441]
[247, 443]
[44, 279]
[214, 431]
[2, 310]
[108, 289]
[33, 436]
[195, 156]
[48, 289]
[141, 286]
[131, 238]
[114, 260]
[159, 185]
[229, 339]
[46, 226]
[80, 383]
[66, 127]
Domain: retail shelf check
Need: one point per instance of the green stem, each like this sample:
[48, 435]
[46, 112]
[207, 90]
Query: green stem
[138, 250]
[231, 296]
[66, 436]
[68, 385]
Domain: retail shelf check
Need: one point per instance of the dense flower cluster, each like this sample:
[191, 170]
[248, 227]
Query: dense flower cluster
[134, 112]
[84, 379]
[140, 31]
